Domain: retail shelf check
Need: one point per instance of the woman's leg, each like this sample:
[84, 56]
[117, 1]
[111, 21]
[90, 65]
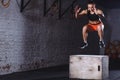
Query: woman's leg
[100, 29]
[85, 35]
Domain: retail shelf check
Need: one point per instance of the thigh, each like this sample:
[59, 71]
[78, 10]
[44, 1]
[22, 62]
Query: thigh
[95, 27]
[85, 28]
[100, 27]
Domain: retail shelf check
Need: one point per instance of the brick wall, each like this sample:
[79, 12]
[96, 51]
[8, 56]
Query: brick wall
[30, 41]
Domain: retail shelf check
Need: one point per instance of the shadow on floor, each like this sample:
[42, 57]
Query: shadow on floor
[52, 73]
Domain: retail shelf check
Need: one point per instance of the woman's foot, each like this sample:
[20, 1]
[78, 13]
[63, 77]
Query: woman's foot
[84, 45]
[101, 44]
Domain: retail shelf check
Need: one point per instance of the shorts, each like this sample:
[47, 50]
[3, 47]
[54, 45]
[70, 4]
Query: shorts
[93, 27]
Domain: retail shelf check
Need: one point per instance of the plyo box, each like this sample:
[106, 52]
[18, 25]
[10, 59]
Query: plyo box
[89, 67]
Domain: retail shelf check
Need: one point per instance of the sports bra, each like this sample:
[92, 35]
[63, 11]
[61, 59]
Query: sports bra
[92, 17]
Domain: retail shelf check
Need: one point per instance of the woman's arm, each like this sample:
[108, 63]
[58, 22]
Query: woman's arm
[78, 12]
[83, 12]
[100, 12]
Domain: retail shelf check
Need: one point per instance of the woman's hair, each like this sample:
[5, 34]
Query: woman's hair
[91, 2]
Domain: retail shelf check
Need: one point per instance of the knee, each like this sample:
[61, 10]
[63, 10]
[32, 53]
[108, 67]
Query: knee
[84, 28]
[101, 28]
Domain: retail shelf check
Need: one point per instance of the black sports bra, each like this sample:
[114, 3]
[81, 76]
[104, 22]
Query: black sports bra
[92, 17]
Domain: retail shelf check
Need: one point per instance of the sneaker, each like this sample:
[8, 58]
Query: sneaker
[101, 44]
[84, 45]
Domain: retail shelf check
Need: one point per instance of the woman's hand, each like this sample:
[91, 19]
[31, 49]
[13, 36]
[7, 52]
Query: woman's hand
[77, 10]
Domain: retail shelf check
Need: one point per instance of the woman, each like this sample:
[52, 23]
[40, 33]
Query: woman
[94, 24]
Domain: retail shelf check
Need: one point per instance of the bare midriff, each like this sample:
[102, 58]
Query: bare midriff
[94, 22]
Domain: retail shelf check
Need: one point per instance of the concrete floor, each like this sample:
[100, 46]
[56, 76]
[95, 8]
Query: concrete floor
[53, 73]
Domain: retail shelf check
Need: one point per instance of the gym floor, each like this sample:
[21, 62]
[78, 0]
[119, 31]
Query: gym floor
[52, 73]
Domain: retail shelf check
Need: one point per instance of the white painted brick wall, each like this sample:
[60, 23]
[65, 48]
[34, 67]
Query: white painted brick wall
[30, 41]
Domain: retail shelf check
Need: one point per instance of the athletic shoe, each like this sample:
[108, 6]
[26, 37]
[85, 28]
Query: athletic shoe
[101, 44]
[84, 45]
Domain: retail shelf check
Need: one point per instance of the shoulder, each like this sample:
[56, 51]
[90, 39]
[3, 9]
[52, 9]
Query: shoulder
[84, 11]
[99, 11]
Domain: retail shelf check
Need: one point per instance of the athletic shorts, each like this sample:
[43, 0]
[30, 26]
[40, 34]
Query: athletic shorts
[93, 27]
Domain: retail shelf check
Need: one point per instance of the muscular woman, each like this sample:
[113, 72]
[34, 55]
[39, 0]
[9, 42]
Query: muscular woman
[94, 23]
